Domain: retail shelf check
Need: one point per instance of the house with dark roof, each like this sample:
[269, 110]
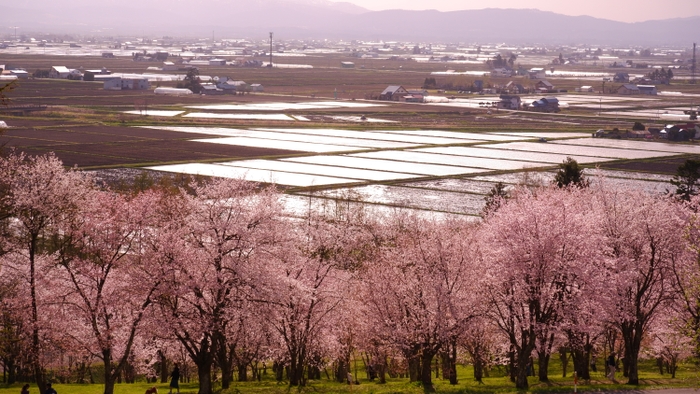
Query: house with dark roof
[628, 89]
[546, 104]
[544, 86]
[648, 90]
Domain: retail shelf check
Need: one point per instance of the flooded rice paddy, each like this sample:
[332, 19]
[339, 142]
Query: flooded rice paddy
[423, 170]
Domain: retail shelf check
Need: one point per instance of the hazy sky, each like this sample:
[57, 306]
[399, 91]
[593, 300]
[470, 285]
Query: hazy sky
[620, 10]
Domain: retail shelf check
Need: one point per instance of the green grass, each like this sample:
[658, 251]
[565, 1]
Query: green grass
[688, 375]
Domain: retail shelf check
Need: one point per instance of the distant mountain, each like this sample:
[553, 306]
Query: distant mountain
[326, 19]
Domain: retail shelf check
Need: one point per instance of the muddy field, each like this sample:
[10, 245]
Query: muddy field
[89, 146]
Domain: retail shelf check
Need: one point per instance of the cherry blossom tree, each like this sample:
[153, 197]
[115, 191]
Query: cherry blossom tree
[669, 343]
[107, 282]
[420, 294]
[223, 227]
[39, 198]
[540, 249]
[308, 283]
[642, 243]
[687, 275]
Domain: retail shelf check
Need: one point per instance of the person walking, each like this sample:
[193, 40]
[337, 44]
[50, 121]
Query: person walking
[175, 380]
[612, 366]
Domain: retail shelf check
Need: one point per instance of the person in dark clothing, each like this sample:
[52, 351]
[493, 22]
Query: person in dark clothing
[49, 389]
[25, 389]
[175, 380]
[612, 365]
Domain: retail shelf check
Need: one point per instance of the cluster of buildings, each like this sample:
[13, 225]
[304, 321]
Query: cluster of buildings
[671, 132]
[226, 85]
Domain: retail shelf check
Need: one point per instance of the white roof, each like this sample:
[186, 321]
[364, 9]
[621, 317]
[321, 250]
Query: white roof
[172, 91]
[61, 69]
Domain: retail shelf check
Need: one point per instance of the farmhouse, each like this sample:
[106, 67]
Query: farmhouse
[546, 104]
[628, 89]
[59, 72]
[509, 102]
[544, 86]
[512, 87]
[211, 89]
[393, 92]
[537, 73]
[501, 72]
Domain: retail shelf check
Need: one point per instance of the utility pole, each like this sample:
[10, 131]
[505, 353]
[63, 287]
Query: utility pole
[15, 27]
[270, 50]
[693, 66]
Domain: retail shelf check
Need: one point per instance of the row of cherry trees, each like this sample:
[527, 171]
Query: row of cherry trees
[223, 274]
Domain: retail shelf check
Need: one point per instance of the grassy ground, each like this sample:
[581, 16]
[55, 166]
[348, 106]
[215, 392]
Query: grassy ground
[688, 376]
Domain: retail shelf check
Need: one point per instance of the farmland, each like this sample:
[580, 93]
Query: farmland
[316, 116]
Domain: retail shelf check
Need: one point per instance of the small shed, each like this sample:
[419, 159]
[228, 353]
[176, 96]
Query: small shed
[20, 74]
[210, 89]
[347, 65]
[169, 66]
[256, 87]
[647, 89]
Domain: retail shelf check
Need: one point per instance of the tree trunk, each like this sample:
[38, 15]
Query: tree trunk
[521, 370]
[543, 366]
[163, 367]
[242, 373]
[414, 363]
[109, 375]
[478, 369]
[426, 376]
[296, 367]
[35, 349]
[581, 363]
[632, 335]
[564, 359]
[223, 354]
[381, 368]
[204, 374]
[449, 362]
[342, 367]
